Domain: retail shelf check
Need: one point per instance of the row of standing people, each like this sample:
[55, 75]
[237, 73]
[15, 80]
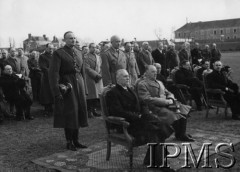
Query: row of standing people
[34, 70]
[83, 76]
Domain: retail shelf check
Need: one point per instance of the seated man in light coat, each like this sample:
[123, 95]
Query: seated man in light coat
[159, 100]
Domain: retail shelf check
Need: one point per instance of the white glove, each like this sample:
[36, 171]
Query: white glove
[170, 101]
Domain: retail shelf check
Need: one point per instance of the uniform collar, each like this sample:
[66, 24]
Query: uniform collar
[115, 50]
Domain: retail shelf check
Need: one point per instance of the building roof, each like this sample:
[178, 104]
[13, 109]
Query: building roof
[57, 40]
[210, 25]
[36, 38]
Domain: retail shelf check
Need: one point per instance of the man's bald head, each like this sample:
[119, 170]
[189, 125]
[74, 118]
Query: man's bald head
[197, 45]
[214, 45]
[151, 72]
[4, 54]
[13, 52]
[122, 77]
[158, 67]
[136, 47]
[145, 45]
[115, 41]
[65, 34]
[114, 38]
[8, 69]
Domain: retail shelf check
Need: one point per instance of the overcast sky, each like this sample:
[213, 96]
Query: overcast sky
[98, 20]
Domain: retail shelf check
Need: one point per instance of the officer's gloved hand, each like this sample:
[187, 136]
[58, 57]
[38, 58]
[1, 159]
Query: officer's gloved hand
[59, 97]
[98, 78]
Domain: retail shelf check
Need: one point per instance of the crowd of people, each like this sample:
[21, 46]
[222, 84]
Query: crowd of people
[68, 81]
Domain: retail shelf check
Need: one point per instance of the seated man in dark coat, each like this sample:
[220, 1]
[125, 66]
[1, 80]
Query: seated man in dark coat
[217, 80]
[185, 76]
[205, 66]
[123, 102]
[13, 89]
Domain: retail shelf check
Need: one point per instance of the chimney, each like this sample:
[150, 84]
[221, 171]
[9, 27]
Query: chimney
[54, 38]
[29, 36]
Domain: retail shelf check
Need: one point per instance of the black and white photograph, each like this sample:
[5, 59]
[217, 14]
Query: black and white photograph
[119, 85]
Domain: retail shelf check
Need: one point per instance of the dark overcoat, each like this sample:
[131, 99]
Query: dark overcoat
[67, 66]
[217, 80]
[172, 59]
[206, 54]
[46, 96]
[196, 54]
[124, 103]
[35, 72]
[93, 68]
[216, 55]
[183, 55]
[160, 57]
[15, 63]
[145, 59]
[112, 60]
[186, 77]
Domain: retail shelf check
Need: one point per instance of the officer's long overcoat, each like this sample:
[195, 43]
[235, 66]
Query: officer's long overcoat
[45, 91]
[67, 66]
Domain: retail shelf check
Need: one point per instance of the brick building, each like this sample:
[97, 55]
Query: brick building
[35, 43]
[57, 42]
[224, 32]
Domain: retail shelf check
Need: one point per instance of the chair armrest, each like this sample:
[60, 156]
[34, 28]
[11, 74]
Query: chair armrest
[182, 86]
[121, 121]
[215, 91]
[118, 121]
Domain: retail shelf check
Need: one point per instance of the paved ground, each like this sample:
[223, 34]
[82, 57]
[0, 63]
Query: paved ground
[24, 141]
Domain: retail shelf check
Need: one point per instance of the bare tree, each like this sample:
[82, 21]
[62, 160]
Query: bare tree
[10, 42]
[158, 33]
[173, 28]
[13, 42]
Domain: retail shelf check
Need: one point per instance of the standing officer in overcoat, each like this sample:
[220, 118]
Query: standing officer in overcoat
[112, 60]
[46, 98]
[67, 81]
[93, 78]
